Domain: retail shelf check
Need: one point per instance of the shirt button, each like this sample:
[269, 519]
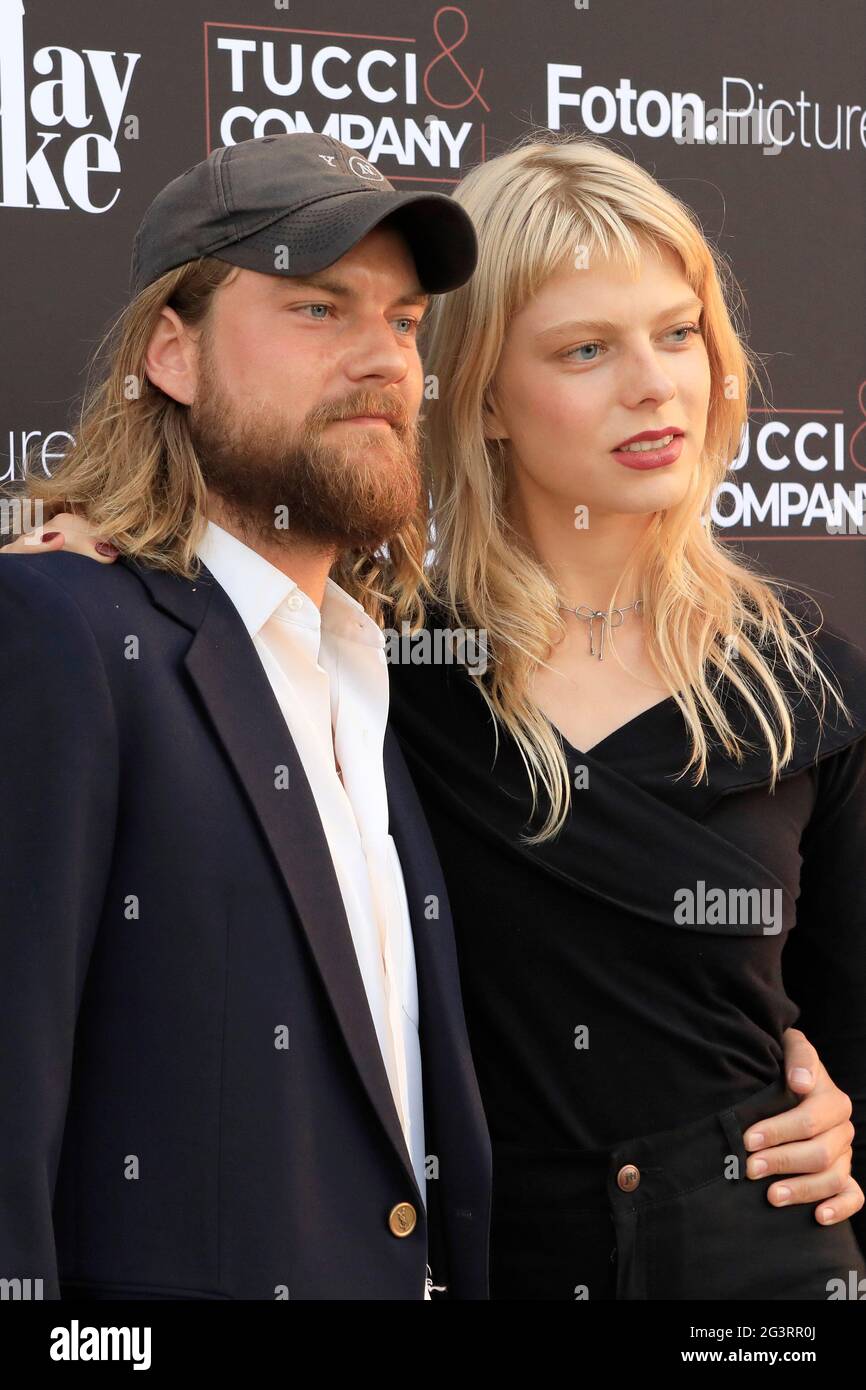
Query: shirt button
[402, 1219]
[294, 602]
[628, 1177]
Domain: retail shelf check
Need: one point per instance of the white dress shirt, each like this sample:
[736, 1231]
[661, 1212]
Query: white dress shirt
[329, 673]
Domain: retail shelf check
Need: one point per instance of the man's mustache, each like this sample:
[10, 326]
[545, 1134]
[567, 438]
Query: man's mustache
[390, 408]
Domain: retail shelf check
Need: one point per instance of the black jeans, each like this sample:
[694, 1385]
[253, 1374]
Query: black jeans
[662, 1216]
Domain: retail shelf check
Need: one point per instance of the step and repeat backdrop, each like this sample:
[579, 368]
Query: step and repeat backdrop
[753, 114]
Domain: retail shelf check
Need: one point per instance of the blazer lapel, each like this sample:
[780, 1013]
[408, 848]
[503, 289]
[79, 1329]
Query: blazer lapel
[441, 1005]
[225, 668]
[455, 1125]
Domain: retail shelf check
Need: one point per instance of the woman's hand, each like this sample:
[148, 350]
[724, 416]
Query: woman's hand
[64, 532]
[814, 1138]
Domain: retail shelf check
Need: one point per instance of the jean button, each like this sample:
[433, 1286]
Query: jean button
[628, 1177]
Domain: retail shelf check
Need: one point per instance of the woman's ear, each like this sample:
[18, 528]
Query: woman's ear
[493, 426]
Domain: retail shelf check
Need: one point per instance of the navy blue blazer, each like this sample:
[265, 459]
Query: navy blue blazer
[194, 1102]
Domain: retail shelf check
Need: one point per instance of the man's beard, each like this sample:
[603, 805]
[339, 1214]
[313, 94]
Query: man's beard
[278, 482]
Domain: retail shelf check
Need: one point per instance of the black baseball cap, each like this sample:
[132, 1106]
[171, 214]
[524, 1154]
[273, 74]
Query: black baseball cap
[291, 205]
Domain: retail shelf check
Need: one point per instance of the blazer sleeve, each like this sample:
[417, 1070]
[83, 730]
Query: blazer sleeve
[58, 805]
[824, 962]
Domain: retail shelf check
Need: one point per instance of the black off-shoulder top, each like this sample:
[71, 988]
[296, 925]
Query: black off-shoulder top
[638, 972]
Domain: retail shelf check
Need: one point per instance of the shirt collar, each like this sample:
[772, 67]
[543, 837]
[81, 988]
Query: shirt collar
[257, 589]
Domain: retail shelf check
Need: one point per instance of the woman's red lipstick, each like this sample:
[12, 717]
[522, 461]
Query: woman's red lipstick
[651, 458]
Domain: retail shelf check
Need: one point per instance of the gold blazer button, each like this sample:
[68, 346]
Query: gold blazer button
[402, 1219]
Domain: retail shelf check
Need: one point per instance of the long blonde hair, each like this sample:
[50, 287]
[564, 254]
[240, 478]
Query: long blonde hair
[532, 207]
[133, 469]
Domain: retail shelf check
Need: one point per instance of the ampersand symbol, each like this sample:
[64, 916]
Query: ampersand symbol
[861, 401]
[448, 52]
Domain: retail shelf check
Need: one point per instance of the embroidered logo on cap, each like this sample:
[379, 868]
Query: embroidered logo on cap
[363, 169]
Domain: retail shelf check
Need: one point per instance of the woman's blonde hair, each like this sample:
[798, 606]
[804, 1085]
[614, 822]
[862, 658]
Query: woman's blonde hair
[133, 469]
[533, 208]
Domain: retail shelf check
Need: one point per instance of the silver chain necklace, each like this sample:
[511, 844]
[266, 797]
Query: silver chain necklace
[611, 617]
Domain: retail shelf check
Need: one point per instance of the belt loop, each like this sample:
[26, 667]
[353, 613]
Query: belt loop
[734, 1135]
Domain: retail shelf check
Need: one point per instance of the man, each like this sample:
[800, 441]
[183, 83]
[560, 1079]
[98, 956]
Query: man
[210, 1037]
[212, 1026]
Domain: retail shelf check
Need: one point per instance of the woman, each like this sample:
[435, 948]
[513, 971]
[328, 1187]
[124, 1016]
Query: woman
[626, 646]
[624, 1035]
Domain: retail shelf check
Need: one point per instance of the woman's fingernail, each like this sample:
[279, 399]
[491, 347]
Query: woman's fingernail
[760, 1166]
[49, 535]
[826, 1214]
[801, 1074]
[106, 548]
[781, 1195]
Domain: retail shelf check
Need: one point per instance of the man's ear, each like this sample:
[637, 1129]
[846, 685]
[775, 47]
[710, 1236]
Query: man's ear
[172, 357]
